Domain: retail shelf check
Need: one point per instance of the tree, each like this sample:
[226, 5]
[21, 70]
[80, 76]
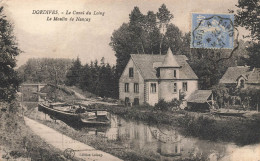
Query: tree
[221, 94]
[164, 17]
[141, 35]
[85, 79]
[248, 16]
[74, 73]
[9, 80]
[44, 70]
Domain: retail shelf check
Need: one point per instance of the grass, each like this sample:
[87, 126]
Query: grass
[18, 141]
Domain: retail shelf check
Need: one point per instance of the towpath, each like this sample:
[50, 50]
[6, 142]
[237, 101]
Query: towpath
[69, 146]
[89, 100]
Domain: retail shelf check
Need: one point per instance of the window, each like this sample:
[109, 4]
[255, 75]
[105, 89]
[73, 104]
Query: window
[174, 73]
[184, 86]
[131, 72]
[136, 88]
[126, 87]
[153, 88]
[174, 87]
[242, 83]
[158, 72]
[136, 101]
[127, 101]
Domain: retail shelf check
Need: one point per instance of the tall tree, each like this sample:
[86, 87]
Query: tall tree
[141, 35]
[248, 16]
[44, 70]
[9, 81]
[74, 73]
[164, 17]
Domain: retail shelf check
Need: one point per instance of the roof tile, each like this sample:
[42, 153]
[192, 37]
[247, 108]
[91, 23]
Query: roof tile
[145, 63]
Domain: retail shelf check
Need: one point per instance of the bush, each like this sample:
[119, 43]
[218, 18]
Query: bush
[167, 106]
[161, 105]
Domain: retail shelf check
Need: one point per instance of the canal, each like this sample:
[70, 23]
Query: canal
[169, 144]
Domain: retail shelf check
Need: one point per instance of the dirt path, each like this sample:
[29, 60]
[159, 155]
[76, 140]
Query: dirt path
[69, 146]
[90, 101]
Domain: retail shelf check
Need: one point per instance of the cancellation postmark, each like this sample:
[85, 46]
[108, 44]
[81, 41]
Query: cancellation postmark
[212, 31]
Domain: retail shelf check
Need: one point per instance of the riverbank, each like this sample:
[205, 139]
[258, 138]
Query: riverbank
[241, 131]
[18, 142]
[63, 142]
[100, 142]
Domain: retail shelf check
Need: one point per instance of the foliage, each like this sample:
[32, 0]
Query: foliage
[19, 142]
[166, 106]
[99, 79]
[74, 73]
[254, 55]
[44, 70]
[248, 16]
[221, 94]
[144, 35]
[250, 97]
[9, 81]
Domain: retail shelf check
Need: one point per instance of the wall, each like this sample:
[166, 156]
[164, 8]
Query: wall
[151, 98]
[253, 86]
[168, 73]
[166, 88]
[136, 79]
[192, 86]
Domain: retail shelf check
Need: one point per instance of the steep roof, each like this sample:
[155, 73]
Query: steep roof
[199, 96]
[254, 76]
[145, 63]
[233, 73]
[170, 60]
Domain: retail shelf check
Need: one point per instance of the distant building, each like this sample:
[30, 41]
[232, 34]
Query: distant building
[149, 78]
[241, 77]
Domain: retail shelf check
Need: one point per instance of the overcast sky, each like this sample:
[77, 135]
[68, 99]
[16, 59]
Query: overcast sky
[90, 40]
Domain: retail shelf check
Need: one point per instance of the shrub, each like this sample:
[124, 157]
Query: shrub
[161, 105]
[166, 106]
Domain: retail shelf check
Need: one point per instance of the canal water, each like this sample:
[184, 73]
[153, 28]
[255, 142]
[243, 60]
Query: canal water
[169, 144]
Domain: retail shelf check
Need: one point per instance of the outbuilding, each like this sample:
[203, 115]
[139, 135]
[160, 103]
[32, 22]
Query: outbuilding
[200, 100]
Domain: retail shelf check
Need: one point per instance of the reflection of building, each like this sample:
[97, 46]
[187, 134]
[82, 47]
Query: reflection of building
[169, 149]
[148, 78]
[169, 144]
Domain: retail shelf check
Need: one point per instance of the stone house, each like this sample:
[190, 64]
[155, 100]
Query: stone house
[149, 78]
[241, 77]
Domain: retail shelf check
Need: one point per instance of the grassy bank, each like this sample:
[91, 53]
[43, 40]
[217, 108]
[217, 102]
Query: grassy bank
[18, 141]
[241, 131]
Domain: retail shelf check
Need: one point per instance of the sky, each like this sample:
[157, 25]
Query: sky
[38, 37]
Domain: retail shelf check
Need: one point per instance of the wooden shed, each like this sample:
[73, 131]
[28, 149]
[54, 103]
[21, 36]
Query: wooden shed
[200, 100]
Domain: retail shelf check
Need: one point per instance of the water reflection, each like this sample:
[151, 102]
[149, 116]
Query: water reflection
[169, 144]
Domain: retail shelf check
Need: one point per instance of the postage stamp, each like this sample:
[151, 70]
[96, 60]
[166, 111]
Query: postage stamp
[212, 31]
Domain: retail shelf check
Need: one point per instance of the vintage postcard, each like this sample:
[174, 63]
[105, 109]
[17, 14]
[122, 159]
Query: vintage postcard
[139, 80]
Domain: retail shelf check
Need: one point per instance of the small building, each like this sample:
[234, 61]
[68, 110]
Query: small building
[241, 77]
[200, 100]
[149, 78]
